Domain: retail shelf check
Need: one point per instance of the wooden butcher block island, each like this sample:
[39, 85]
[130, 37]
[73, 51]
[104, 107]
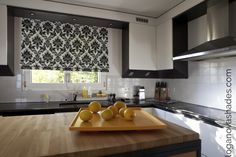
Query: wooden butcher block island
[49, 135]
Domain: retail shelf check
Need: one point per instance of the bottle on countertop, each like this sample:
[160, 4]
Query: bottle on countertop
[84, 91]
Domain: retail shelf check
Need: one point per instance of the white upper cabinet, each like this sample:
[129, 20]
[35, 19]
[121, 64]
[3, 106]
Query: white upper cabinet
[3, 35]
[164, 45]
[142, 47]
[150, 48]
[6, 42]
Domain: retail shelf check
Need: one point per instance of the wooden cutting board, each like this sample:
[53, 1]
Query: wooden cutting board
[142, 121]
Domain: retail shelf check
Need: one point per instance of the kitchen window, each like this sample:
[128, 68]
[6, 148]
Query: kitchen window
[68, 51]
[63, 80]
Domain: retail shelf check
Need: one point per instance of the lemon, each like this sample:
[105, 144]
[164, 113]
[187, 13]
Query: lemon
[129, 114]
[119, 105]
[107, 114]
[122, 110]
[114, 110]
[94, 106]
[85, 115]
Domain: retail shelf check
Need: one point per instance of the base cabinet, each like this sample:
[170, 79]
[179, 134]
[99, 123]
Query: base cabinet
[213, 138]
[188, 149]
[159, 113]
[188, 154]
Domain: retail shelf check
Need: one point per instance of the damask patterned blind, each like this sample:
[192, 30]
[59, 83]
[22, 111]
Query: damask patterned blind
[63, 46]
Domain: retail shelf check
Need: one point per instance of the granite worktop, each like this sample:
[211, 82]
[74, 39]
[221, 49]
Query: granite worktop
[198, 112]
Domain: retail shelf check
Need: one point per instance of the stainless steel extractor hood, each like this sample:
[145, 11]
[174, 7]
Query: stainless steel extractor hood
[220, 33]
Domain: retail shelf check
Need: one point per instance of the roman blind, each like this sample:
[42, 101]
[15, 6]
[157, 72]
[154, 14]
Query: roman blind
[48, 45]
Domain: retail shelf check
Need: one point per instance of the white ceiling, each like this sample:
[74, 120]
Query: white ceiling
[150, 8]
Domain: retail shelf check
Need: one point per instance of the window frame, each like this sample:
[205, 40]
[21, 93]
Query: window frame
[66, 86]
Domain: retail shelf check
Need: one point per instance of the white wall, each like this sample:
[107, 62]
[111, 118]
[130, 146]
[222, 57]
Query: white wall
[11, 87]
[206, 83]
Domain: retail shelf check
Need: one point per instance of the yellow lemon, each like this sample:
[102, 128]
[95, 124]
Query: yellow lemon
[94, 106]
[129, 114]
[119, 105]
[107, 114]
[85, 115]
[114, 110]
[122, 110]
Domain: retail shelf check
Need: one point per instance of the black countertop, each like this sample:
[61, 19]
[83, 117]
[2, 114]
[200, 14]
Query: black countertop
[209, 115]
[59, 105]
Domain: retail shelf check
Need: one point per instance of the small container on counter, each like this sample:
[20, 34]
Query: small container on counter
[139, 92]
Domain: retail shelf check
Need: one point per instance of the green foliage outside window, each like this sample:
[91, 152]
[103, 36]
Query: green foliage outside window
[47, 76]
[86, 77]
[53, 76]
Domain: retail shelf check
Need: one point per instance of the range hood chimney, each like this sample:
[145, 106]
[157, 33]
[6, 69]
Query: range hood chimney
[221, 32]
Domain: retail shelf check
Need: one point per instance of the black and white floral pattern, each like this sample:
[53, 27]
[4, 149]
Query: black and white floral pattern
[63, 46]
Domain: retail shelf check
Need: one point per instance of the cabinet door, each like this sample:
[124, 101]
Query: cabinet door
[212, 136]
[3, 35]
[216, 138]
[164, 45]
[178, 119]
[158, 113]
[142, 47]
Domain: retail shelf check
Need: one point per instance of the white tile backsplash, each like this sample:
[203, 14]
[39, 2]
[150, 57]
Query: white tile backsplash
[206, 83]
[124, 87]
